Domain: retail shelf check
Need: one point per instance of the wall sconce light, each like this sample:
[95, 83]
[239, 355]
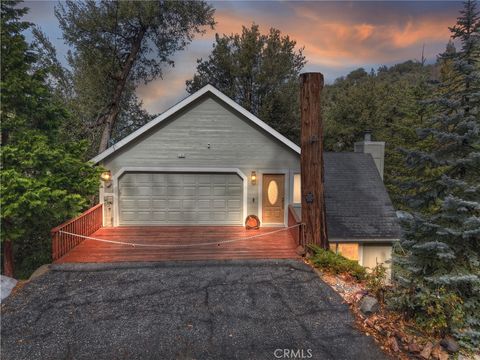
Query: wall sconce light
[106, 176]
[254, 177]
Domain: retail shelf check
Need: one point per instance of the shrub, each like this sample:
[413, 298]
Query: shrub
[436, 311]
[335, 263]
[376, 281]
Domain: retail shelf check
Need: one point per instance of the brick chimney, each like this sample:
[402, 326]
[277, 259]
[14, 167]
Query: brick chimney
[375, 148]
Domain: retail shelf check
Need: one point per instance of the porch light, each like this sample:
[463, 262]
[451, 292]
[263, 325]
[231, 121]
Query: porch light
[106, 176]
[254, 177]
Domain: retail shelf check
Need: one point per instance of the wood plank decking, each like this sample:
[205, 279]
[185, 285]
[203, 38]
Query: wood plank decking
[280, 245]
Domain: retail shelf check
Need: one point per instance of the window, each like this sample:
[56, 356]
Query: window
[272, 192]
[297, 189]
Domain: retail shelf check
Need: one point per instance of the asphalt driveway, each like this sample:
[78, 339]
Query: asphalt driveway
[181, 310]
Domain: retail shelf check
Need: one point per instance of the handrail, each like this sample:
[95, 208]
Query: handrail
[85, 224]
[86, 212]
[294, 219]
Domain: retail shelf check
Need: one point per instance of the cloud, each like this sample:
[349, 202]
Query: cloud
[160, 94]
[338, 36]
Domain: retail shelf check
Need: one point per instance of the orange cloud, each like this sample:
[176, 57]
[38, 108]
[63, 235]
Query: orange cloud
[342, 42]
[337, 39]
[364, 31]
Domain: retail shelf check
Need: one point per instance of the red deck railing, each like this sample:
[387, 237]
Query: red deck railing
[85, 224]
[297, 232]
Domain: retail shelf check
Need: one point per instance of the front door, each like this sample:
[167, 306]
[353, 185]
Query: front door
[273, 198]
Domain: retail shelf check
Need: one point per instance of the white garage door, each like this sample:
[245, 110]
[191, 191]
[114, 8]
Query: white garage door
[180, 198]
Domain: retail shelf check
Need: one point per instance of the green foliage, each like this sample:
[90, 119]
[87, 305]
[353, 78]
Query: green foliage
[44, 181]
[118, 45]
[260, 72]
[375, 281]
[436, 311]
[387, 102]
[335, 263]
[441, 261]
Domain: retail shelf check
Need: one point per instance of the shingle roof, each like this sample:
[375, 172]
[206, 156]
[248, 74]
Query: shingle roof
[358, 205]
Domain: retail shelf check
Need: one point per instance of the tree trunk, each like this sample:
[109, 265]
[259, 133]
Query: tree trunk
[110, 120]
[7, 258]
[311, 161]
[111, 116]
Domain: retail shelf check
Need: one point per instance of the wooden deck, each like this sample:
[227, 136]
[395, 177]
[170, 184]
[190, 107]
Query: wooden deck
[280, 245]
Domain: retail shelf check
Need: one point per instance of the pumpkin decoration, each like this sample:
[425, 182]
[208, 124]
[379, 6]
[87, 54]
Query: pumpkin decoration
[252, 222]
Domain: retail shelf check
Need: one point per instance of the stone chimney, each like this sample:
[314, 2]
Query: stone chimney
[375, 148]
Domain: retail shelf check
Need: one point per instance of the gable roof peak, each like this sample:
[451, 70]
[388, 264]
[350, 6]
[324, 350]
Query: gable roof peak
[185, 102]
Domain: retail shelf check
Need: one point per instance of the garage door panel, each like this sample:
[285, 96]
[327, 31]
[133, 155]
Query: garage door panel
[189, 204]
[234, 204]
[189, 179]
[235, 191]
[159, 179]
[180, 198]
[136, 191]
[137, 215]
[137, 178]
[174, 191]
[219, 204]
[189, 216]
[203, 216]
[143, 204]
[159, 215]
[189, 191]
[219, 216]
[233, 215]
[159, 190]
[174, 204]
[204, 204]
[219, 191]
[159, 204]
[173, 215]
[204, 179]
[127, 204]
[204, 191]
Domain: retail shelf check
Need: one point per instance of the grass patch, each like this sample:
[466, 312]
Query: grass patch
[337, 264]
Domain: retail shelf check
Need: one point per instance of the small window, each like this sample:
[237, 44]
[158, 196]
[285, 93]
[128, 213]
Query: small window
[272, 192]
[297, 189]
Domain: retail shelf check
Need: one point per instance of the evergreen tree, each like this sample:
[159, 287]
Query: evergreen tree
[260, 72]
[386, 102]
[119, 44]
[439, 273]
[44, 181]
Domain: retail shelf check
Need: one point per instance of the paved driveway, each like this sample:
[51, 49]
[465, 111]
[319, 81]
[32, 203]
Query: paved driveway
[183, 310]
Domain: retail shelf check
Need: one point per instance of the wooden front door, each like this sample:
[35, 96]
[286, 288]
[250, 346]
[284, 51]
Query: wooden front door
[273, 198]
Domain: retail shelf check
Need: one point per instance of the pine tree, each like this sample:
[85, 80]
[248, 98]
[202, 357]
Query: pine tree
[44, 181]
[258, 71]
[439, 271]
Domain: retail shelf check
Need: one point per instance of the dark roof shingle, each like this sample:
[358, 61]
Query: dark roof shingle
[358, 205]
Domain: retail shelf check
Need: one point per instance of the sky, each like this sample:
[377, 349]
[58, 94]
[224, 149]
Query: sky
[337, 36]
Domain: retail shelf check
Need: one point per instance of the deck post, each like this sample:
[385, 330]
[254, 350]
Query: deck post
[311, 163]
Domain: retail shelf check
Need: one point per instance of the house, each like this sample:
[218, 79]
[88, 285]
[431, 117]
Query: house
[208, 161]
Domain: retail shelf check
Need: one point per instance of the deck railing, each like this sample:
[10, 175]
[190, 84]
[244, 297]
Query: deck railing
[294, 219]
[85, 224]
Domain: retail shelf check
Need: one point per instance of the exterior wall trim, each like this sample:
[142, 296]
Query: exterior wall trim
[364, 240]
[179, 106]
[117, 175]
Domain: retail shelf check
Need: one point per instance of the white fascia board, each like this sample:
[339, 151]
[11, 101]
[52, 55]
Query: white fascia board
[181, 105]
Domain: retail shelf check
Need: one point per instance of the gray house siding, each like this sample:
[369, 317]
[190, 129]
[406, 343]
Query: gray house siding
[207, 134]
